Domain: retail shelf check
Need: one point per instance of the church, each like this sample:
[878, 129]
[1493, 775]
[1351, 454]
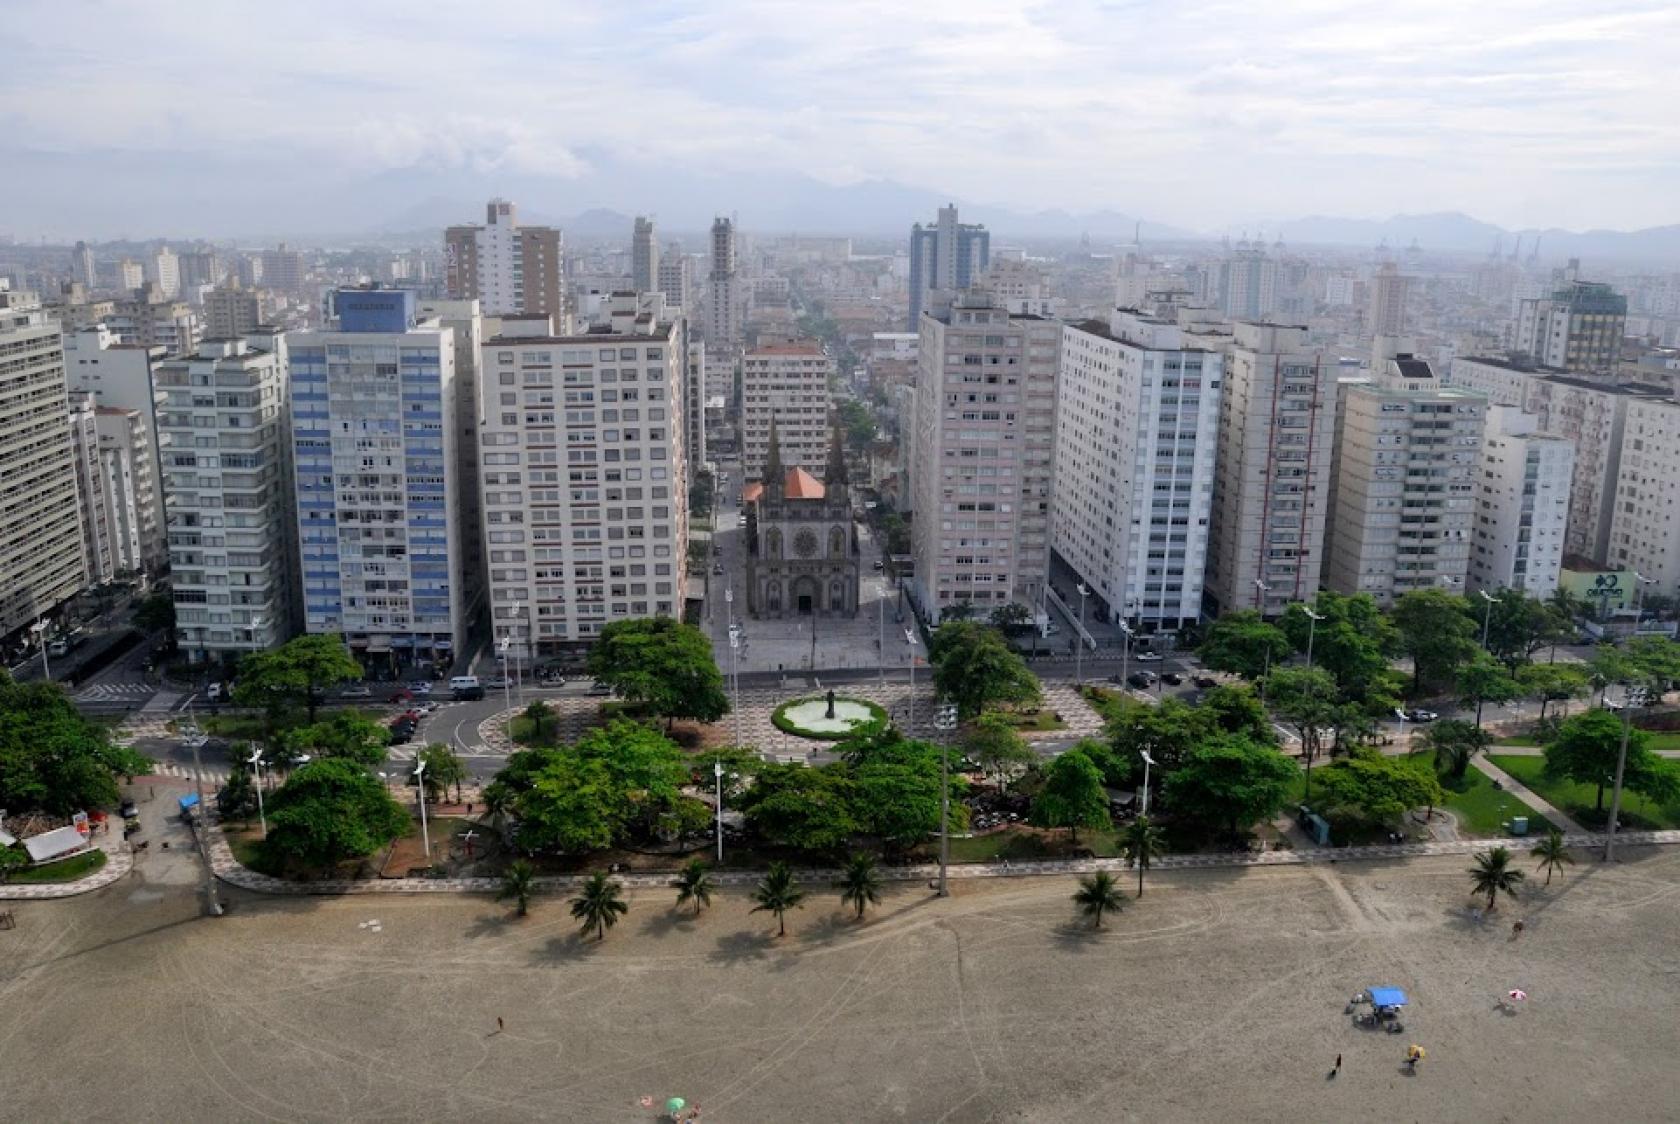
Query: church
[802, 557]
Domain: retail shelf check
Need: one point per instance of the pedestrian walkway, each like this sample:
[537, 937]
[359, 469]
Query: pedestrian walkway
[213, 778]
[1527, 795]
[119, 860]
[115, 692]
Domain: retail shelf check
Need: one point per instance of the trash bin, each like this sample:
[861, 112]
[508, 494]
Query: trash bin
[1519, 825]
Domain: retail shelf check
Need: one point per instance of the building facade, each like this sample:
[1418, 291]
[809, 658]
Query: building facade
[784, 387]
[508, 268]
[41, 563]
[1405, 479]
[1522, 505]
[726, 297]
[1388, 302]
[127, 463]
[234, 311]
[150, 319]
[1578, 328]
[803, 555]
[1644, 527]
[1137, 437]
[985, 450]
[644, 256]
[1271, 495]
[945, 256]
[91, 509]
[585, 478]
[280, 269]
[374, 434]
[227, 487]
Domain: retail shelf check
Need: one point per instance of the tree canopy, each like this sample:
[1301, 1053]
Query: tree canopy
[974, 668]
[1305, 697]
[803, 807]
[1073, 795]
[662, 664]
[1353, 641]
[298, 673]
[328, 811]
[1230, 783]
[1243, 643]
[1383, 788]
[343, 734]
[51, 757]
[1552, 683]
[1518, 626]
[1483, 679]
[1437, 631]
[1586, 748]
[998, 748]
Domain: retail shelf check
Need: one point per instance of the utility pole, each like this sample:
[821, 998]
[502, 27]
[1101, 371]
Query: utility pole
[945, 721]
[1630, 698]
[207, 876]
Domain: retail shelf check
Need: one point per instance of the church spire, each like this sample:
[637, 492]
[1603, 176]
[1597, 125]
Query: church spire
[835, 473]
[772, 476]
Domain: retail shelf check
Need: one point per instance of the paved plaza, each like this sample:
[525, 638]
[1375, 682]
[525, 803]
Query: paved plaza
[1219, 995]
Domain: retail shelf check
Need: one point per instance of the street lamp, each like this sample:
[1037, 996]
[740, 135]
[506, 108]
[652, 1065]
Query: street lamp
[39, 628]
[513, 653]
[717, 771]
[1147, 761]
[1639, 597]
[420, 790]
[945, 721]
[881, 628]
[262, 816]
[1631, 697]
[1125, 654]
[1487, 614]
[1312, 630]
[1079, 641]
[735, 678]
[910, 641]
[507, 664]
[1260, 591]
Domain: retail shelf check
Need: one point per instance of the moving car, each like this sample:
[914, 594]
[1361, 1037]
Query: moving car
[1421, 716]
[1205, 681]
[880, 565]
[1141, 679]
[1172, 679]
[1147, 657]
[463, 682]
[421, 687]
[357, 691]
[717, 567]
[498, 682]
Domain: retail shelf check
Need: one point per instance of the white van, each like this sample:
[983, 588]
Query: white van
[463, 683]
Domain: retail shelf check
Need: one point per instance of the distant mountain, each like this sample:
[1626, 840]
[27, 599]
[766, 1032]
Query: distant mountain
[1457, 233]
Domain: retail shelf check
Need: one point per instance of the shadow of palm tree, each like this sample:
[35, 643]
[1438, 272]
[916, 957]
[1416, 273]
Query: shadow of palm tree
[668, 921]
[1076, 936]
[563, 949]
[741, 948]
[492, 924]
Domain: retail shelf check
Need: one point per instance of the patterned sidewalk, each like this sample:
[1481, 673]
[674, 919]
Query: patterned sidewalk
[118, 862]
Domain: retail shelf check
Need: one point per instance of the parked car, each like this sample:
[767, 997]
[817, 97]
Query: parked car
[1172, 679]
[214, 693]
[596, 687]
[1141, 679]
[717, 567]
[1205, 681]
[1421, 716]
[1147, 657]
[420, 687]
[357, 691]
[498, 682]
[879, 565]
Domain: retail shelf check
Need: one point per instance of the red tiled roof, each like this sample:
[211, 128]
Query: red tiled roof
[801, 485]
[752, 492]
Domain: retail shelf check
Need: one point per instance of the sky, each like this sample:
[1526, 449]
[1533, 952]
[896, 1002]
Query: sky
[143, 117]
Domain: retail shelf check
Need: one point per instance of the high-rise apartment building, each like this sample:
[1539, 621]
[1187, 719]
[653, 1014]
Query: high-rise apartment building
[1578, 328]
[150, 319]
[163, 269]
[464, 320]
[282, 270]
[1277, 426]
[84, 269]
[41, 562]
[644, 256]
[785, 386]
[119, 376]
[676, 280]
[985, 437]
[1644, 526]
[130, 275]
[1137, 436]
[200, 269]
[694, 403]
[726, 295]
[946, 257]
[1405, 481]
[228, 495]
[91, 511]
[1388, 301]
[1522, 505]
[1248, 283]
[585, 478]
[133, 505]
[507, 267]
[373, 436]
[234, 311]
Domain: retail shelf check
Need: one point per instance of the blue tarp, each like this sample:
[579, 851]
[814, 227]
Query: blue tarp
[188, 801]
[1387, 997]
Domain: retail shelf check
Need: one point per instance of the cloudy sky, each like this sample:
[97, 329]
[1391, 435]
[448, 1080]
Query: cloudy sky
[146, 116]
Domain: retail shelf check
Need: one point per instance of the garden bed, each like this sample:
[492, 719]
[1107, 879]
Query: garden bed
[807, 717]
[63, 870]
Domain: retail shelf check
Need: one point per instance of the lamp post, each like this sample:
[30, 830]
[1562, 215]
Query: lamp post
[735, 679]
[1641, 581]
[1631, 697]
[717, 771]
[1147, 761]
[910, 641]
[881, 628]
[262, 816]
[507, 680]
[1260, 591]
[1312, 630]
[1125, 655]
[1487, 614]
[513, 653]
[39, 628]
[945, 721]
[1079, 641]
[420, 790]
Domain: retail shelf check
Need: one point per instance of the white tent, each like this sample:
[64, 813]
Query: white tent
[55, 844]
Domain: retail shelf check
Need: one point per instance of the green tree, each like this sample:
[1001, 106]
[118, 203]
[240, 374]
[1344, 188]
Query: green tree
[776, 893]
[1230, 783]
[1493, 874]
[895, 532]
[54, 759]
[1098, 894]
[1483, 679]
[1553, 854]
[859, 423]
[899, 803]
[298, 673]
[694, 884]
[1306, 699]
[156, 614]
[1517, 627]
[237, 799]
[1587, 746]
[1383, 788]
[809, 809]
[12, 860]
[1244, 643]
[598, 905]
[1454, 742]
[1143, 841]
[1167, 733]
[1236, 710]
[1353, 641]
[702, 493]
[1438, 631]
[1073, 795]
[1553, 682]
[443, 768]
[519, 881]
[740, 766]
[537, 714]
[860, 884]
[1014, 620]
[663, 665]
[498, 807]
[975, 669]
[613, 783]
[328, 811]
[994, 744]
[346, 734]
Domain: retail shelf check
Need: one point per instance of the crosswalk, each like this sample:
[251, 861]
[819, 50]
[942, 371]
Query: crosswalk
[212, 776]
[116, 692]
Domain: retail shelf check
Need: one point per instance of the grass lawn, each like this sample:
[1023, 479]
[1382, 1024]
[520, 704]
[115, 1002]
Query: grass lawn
[1579, 800]
[1516, 739]
[1036, 721]
[1019, 845]
[1664, 740]
[1110, 704]
[1481, 808]
[64, 870]
[521, 730]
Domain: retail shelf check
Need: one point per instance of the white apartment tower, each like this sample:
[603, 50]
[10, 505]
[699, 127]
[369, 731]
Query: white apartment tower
[725, 291]
[40, 534]
[785, 386]
[676, 280]
[644, 256]
[91, 508]
[1277, 426]
[1405, 481]
[985, 451]
[132, 502]
[374, 434]
[585, 478]
[228, 493]
[1388, 302]
[1644, 528]
[1137, 436]
[1522, 505]
[509, 268]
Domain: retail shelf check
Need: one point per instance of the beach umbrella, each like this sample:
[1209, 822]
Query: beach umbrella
[1517, 994]
[1415, 1052]
[675, 1105]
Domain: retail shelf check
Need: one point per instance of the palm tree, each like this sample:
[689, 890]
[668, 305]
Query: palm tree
[695, 885]
[498, 802]
[1144, 842]
[1552, 853]
[1097, 895]
[598, 905]
[518, 883]
[777, 893]
[860, 886]
[536, 714]
[1492, 873]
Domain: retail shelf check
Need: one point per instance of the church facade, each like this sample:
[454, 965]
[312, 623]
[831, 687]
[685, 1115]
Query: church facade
[803, 555]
